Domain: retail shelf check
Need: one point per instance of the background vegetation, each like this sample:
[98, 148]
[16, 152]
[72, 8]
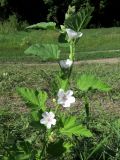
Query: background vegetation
[95, 44]
[106, 12]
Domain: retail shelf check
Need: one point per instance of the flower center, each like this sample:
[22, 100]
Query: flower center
[65, 98]
[49, 119]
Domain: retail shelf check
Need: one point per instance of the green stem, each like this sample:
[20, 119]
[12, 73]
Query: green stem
[72, 50]
[56, 108]
[67, 73]
[87, 110]
[44, 147]
[70, 71]
[71, 56]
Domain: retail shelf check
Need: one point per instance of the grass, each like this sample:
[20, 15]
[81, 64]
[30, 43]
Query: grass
[39, 77]
[104, 108]
[95, 44]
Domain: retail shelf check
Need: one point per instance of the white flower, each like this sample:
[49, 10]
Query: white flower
[65, 98]
[72, 34]
[48, 119]
[66, 63]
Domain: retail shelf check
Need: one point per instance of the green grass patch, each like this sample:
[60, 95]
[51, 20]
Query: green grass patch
[94, 44]
[40, 76]
[104, 109]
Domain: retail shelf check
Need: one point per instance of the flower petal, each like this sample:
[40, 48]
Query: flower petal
[48, 125]
[53, 121]
[60, 100]
[69, 62]
[51, 114]
[43, 121]
[69, 93]
[71, 33]
[66, 104]
[80, 34]
[71, 99]
[45, 114]
[62, 63]
[48, 119]
[60, 93]
[66, 63]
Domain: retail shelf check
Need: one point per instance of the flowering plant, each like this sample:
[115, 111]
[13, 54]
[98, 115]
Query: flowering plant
[54, 121]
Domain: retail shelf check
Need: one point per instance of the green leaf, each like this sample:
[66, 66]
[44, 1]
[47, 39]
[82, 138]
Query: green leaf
[36, 115]
[79, 20]
[62, 40]
[70, 11]
[44, 51]
[87, 82]
[33, 97]
[61, 83]
[42, 96]
[56, 149]
[43, 25]
[30, 95]
[72, 128]
[68, 146]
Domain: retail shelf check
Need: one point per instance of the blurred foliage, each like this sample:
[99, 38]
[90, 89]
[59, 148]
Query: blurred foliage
[12, 24]
[3, 3]
[54, 10]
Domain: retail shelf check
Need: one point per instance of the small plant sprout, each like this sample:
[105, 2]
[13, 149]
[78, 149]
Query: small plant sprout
[48, 119]
[65, 98]
[66, 63]
[72, 34]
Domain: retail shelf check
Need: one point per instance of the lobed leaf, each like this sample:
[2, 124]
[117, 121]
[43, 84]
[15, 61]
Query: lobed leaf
[36, 98]
[43, 25]
[44, 51]
[87, 82]
[72, 128]
[79, 20]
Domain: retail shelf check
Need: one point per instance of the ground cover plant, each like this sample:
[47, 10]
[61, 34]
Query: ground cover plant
[49, 127]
